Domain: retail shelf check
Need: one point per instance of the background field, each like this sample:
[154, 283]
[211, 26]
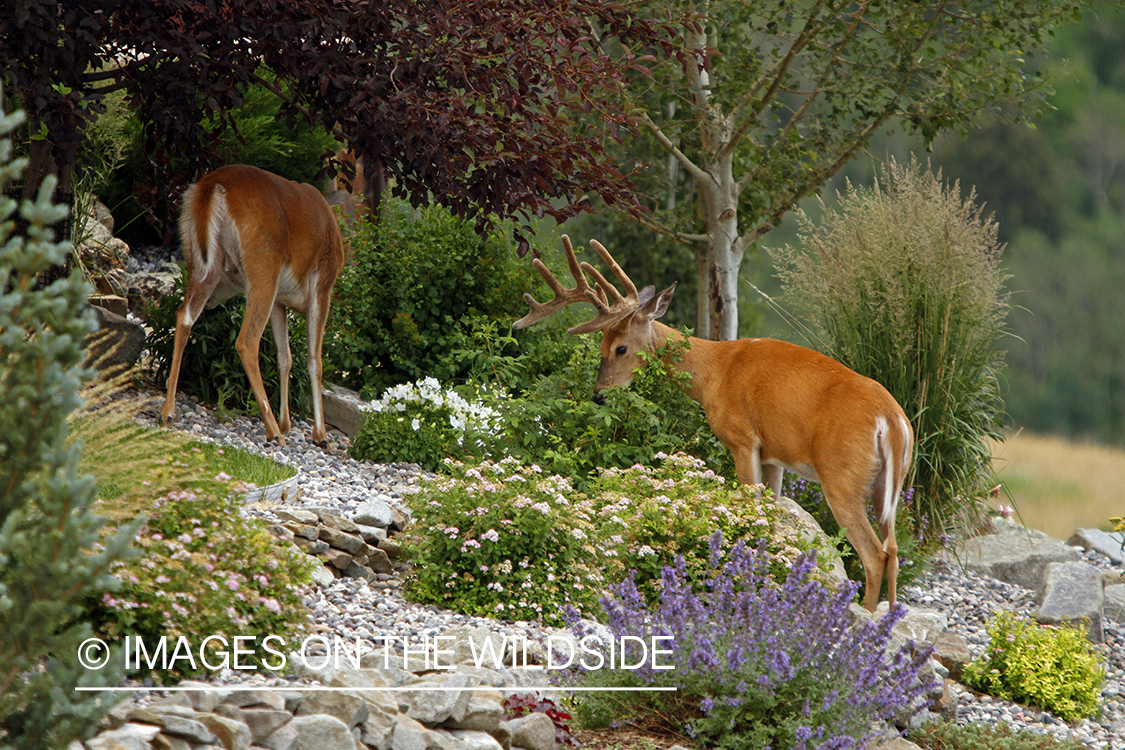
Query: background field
[1059, 485]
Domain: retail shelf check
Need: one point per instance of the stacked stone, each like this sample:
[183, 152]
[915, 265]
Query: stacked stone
[359, 548]
[379, 704]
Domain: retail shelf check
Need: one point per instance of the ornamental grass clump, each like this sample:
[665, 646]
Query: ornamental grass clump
[1054, 668]
[503, 540]
[902, 282]
[756, 663]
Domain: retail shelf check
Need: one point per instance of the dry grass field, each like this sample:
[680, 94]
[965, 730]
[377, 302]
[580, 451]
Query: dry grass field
[1058, 485]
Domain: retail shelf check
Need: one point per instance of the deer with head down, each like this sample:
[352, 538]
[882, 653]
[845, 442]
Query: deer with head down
[245, 230]
[773, 404]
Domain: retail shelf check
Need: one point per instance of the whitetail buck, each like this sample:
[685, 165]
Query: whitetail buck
[775, 405]
[245, 230]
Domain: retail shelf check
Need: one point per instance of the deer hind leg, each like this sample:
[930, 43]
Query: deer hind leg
[280, 330]
[316, 320]
[195, 298]
[259, 309]
[850, 511]
[884, 498]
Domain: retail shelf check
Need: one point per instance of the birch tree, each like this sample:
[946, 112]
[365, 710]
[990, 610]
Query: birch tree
[766, 100]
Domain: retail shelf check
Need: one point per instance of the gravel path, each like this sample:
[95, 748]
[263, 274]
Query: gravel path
[351, 607]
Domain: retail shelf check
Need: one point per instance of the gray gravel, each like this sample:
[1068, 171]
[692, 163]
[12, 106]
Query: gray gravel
[351, 607]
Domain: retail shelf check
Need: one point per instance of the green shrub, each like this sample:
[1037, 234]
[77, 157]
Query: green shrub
[557, 424]
[903, 280]
[205, 570]
[1053, 668]
[420, 296]
[419, 423]
[504, 540]
[647, 517]
[947, 735]
[211, 369]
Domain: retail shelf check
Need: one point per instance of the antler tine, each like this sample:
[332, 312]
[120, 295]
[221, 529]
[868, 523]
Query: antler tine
[610, 304]
[604, 296]
[563, 296]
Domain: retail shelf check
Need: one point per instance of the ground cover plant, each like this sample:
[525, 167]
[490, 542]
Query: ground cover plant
[1053, 668]
[948, 735]
[757, 662]
[902, 283]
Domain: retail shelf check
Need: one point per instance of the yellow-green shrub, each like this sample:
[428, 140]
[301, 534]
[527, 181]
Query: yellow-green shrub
[1054, 668]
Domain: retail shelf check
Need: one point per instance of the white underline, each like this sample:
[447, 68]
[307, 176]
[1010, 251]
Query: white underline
[420, 689]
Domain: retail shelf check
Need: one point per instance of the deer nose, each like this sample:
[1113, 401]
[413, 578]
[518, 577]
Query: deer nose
[599, 398]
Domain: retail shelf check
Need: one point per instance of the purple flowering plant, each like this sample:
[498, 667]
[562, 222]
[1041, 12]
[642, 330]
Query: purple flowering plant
[762, 664]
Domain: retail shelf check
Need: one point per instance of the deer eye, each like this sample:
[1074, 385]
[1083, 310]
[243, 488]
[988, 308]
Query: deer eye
[621, 350]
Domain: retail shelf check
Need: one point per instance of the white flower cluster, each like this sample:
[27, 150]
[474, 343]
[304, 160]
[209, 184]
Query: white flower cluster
[463, 415]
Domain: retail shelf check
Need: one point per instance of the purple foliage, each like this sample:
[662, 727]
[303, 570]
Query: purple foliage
[767, 664]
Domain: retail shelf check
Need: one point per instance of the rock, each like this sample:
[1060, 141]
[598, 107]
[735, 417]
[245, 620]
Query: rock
[355, 570]
[204, 701]
[411, 735]
[374, 513]
[256, 699]
[432, 707]
[379, 561]
[373, 535]
[262, 722]
[331, 518]
[296, 515]
[474, 740]
[303, 530]
[343, 409]
[953, 652]
[127, 737]
[402, 517]
[1105, 543]
[484, 712]
[1114, 607]
[798, 520]
[285, 738]
[349, 543]
[1073, 592]
[391, 547]
[322, 576]
[178, 721]
[231, 734]
[534, 732]
[1015, 559]
[321, 732]
[118, 342]
[346, 705]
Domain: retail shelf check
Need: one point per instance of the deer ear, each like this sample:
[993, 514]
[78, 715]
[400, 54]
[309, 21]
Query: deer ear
[654, 307]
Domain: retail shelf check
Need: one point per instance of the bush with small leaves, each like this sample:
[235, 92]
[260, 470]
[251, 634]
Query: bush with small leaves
[1050, 667]
[503, 540]
[204, 571]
